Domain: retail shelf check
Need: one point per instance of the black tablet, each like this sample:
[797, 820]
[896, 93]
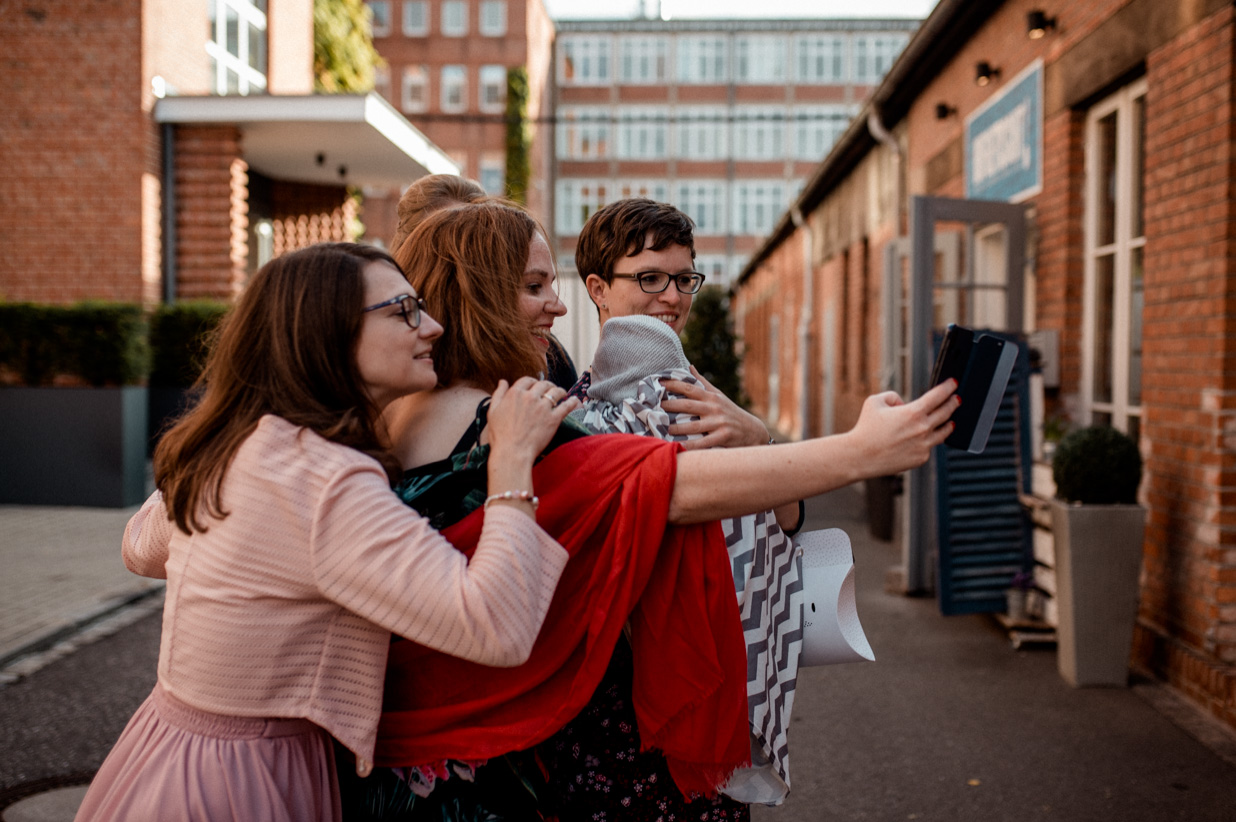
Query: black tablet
[981, 364]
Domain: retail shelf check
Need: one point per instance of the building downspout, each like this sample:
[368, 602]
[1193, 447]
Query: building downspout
[875, 124]
[805, 317]
[169, 213]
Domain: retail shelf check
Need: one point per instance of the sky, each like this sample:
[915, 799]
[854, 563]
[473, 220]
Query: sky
[568, 9]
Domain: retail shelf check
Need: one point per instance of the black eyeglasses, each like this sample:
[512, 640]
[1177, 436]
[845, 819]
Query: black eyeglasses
[410, 307]
[654, 282]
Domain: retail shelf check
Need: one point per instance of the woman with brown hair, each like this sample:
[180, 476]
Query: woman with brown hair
[288, 560]
[618, 504]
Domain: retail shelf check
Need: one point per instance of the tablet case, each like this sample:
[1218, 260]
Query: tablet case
[981, 363]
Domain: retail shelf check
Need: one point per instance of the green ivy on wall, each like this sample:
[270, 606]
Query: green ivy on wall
[518, 138]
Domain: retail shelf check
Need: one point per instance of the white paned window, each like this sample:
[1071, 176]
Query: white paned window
[704, 202]
[493, 172]
[700, 132]
[759, 133]
[584, 61]
[493, 89]
[652, 189]
[643, 133]
[714, 267]
[576, 201]
[642, 59]
[757, 205]
[493, 18]
[454, 89]
[583, 133]
[454, 18]
[874, 55]
[820, 58]
[380, 17]
[415, 18]
[701, 60]
[761, 58]
[817, 129]
[237, 47]
[414, 95]
[382, 81]
[1115, 238]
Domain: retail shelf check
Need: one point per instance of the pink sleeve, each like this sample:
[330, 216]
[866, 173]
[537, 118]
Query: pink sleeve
[377, 557]
[146, 539]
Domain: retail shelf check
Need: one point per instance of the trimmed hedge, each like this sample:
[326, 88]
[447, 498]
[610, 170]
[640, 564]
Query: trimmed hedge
[96, 342]
[179, 334]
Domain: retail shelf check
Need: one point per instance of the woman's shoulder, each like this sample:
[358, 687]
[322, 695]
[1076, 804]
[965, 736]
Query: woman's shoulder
[281, 444]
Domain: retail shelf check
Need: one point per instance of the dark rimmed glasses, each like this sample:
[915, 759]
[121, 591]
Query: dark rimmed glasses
[410, 307]
[654, 282]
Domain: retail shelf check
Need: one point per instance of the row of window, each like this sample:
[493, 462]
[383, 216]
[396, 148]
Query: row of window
[415, 88]
[718, 207]
[415, 19]
[644, 59]
[700, 132]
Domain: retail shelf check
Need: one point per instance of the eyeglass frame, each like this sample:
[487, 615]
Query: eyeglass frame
[412, 318]
[670, 277]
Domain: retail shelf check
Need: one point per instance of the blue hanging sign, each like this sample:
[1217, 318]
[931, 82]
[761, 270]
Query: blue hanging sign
[1004, 141]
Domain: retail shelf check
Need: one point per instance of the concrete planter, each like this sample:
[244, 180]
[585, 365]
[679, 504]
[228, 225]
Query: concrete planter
[1098, 562]
[73, 446]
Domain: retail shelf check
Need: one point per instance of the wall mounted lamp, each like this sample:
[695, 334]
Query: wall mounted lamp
[984, 73]
[1038, 24]
[944, 111]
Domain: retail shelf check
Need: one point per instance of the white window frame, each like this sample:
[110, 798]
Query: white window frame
[1122, 249]
[380, 17]
[821, 58]
[454, 78]
[575, 200]
[702, 59]
[652, 189]
[491, 172]
[701, 132]
[492, 21]
[760, 59]
[228, 66]
[491, 84]
[584, 133]
[454, 14]
[415, 78]
[816, 129]
[714, 267]
[643, 60]
[408, 24]
[643, 133]
[382, 81]
[874, 55]
[756, 206]
[704, 202]
[759, 133]
[585, 60]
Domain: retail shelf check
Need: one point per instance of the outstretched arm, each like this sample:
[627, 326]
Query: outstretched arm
[891, 436]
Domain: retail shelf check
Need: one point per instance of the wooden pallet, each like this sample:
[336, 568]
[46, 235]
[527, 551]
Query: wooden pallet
[1027, 631]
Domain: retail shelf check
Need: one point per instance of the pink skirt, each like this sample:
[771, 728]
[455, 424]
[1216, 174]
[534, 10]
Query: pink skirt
[174, 762]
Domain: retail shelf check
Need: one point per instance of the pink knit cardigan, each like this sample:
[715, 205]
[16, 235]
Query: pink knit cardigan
[285, 607]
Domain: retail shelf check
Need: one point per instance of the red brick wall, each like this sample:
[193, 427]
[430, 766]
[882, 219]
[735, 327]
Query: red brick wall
[1187, 619]
[74, 143]
[211, 212]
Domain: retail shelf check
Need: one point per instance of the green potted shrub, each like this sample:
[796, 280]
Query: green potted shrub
[73, 399]
[1099, 531]
[179, 334]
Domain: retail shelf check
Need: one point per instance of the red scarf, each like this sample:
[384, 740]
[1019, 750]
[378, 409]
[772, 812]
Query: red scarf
[605, 499]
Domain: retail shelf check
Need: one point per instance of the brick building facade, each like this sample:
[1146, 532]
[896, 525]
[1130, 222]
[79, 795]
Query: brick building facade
[1130, 267]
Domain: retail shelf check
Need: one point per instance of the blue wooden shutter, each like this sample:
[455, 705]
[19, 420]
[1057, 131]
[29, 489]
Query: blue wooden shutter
[984, 533]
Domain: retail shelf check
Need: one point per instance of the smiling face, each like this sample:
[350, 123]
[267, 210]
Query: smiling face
[393, 359]
[538, 295]
[624, 298]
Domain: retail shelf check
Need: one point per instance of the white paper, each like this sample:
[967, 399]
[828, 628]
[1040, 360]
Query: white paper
[832, 632]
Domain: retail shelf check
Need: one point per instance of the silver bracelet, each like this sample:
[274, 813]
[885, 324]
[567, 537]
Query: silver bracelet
[526, 496]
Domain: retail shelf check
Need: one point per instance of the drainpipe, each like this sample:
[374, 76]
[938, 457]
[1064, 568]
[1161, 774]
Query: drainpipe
[804, 326]
[875, 124]
[169, 214]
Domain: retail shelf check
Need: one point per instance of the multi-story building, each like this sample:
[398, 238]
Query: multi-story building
[446, 70]
[192, 150]
[724, 118]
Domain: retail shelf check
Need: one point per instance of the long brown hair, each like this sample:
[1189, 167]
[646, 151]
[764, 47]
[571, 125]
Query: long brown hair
[429, 194]
[286, 348]
[468, 263]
